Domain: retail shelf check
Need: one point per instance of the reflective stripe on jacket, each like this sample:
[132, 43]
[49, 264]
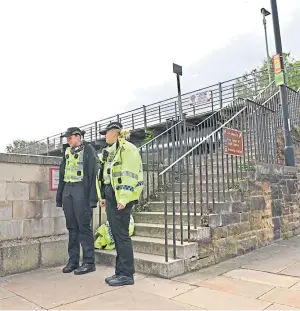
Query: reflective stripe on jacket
[126, 173]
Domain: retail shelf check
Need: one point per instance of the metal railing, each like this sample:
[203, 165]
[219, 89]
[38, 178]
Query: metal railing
[198, 102]
[165, 148]
[207, 175]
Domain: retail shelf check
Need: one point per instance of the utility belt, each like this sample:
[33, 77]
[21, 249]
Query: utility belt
[74, 183]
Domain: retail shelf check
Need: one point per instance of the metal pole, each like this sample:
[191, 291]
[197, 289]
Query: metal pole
[179, 98]
[288, 149]
[178, 71]
[267, 47]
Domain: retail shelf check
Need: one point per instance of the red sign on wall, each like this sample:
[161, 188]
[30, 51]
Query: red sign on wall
[233, 142]
[54, 178]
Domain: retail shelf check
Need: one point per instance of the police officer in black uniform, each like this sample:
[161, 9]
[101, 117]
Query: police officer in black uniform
[77, 195]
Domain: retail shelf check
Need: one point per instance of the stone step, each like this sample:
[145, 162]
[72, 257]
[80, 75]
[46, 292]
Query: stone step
[158, 231]
[155, 246]
[217, 207]
[145, 263]
[231, 195]
[159, 218]
[184, 186]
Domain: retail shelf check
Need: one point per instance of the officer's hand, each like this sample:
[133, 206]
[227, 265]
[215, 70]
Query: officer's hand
[102, 203]
[120, 207]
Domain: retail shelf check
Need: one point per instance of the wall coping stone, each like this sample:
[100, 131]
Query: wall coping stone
[29, 159]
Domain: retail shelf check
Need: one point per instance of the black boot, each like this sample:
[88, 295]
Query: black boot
[107, 280]
[121, 280]
[85, 268]
[70, 267]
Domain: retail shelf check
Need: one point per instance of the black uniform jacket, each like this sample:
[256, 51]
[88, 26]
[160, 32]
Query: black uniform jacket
[90, 170]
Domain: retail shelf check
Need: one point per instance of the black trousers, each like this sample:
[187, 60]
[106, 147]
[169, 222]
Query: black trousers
[119, 223]
[78, 219]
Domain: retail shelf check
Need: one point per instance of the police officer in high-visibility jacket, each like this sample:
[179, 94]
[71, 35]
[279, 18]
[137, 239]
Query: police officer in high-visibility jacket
[120, 184]
[77, 194]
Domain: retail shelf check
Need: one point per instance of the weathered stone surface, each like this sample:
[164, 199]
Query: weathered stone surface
[19, 257]
[17, 191]
[60, 225]
[23, 172]
[246, 245]
[27, 209]
[225, 248]
[277, 207]
[5, 213]
[11, 229]
[291, 186]
[239, 228]
[2, 191]
[40, 227]
[218, 233]
[39, 191]
[54, 251]
[49, 209]
[29, 159]
[257, 203]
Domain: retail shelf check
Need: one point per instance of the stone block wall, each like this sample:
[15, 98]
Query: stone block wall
[27, 205]
[269, 210]
[32, 229]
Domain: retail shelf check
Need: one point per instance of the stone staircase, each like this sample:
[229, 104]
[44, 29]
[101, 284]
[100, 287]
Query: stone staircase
[149, 236]
[221, 204]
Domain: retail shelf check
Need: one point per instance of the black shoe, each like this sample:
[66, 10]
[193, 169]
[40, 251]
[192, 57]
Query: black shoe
[121, 280]
[107, 280]
[85, 268]
[69, 268]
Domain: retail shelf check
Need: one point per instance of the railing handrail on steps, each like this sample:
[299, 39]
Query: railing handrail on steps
[222, 92]
[213, 133]
[217, 111]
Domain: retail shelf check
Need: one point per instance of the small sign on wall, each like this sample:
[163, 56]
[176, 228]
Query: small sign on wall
[54, 178]
[233, 142]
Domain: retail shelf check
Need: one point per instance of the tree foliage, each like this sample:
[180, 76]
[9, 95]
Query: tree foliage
[257, 79]
[25, 146]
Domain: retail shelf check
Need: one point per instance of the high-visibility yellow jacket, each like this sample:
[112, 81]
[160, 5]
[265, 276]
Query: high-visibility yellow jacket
[126, 173]
[104, 237]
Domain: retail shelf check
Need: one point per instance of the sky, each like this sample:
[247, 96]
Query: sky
[69, 63]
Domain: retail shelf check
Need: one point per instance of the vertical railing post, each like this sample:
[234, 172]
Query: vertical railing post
[220, 95]
[96, 132]
[145, 116]
[47, 145]
[159, 114]
[132, 121]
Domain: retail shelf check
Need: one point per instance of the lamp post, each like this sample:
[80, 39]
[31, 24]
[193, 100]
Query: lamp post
[178, 71]
[288, 149]
[265, 13]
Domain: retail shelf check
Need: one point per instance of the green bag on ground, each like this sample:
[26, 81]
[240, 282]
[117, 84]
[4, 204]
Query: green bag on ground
[104, 237]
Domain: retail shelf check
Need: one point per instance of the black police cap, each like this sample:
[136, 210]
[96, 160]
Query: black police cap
[73, 131]
[113, 125]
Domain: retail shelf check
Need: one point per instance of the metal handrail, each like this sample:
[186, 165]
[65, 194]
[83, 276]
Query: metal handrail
[270, 84]
[208, 136]
[161, 134]
[146, 116]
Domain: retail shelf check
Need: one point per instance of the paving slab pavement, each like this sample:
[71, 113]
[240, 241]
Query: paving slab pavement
[265, 279]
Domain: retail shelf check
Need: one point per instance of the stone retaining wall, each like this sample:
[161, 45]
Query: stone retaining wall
[268, 211]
